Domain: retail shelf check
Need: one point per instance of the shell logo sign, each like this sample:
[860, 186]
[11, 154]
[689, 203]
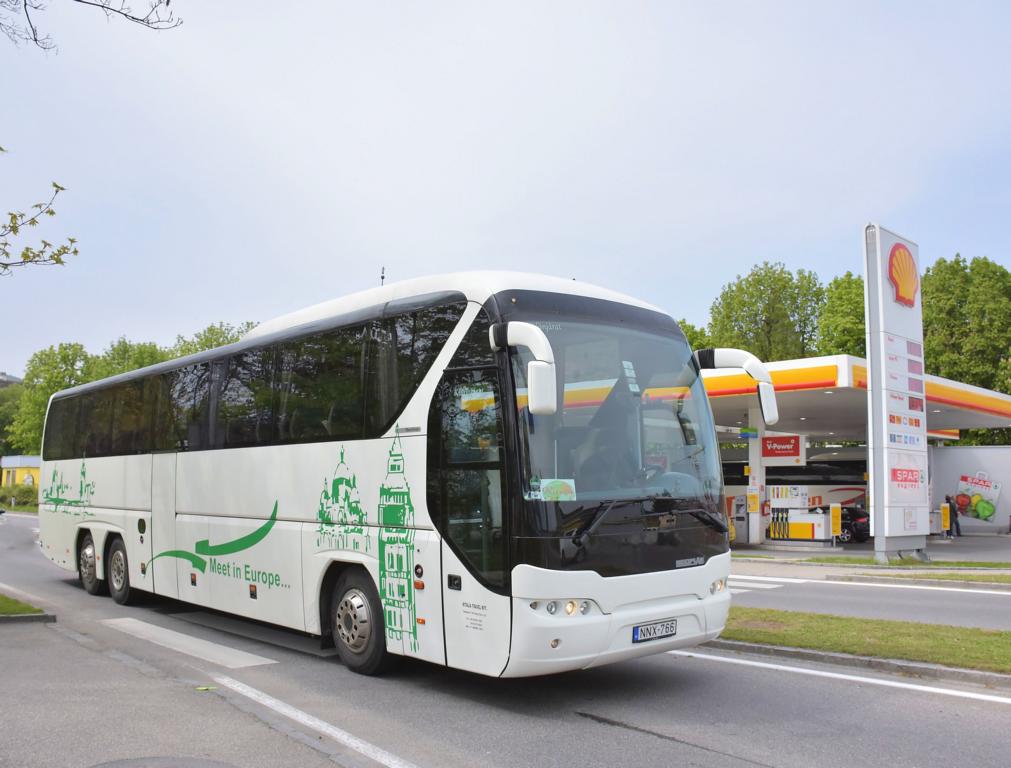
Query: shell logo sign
[902, 274]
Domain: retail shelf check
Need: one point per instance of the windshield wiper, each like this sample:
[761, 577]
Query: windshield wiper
[697, 512]
[709, 519]
[583, 531]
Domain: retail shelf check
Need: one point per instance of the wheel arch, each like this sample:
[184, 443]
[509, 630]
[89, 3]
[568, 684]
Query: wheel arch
[337, 564]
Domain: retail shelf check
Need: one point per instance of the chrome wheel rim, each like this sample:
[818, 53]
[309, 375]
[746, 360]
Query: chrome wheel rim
[354, 621]
[86, 563]
[117, 570]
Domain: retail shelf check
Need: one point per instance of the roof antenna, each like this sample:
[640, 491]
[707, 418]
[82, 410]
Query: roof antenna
[382, 276]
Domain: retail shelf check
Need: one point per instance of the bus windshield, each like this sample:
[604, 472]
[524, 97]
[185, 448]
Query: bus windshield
[625, 477]
[634, 420]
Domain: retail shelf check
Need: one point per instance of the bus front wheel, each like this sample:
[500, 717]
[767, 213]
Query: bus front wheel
[87, 567]
[356, 616]
[117, 572]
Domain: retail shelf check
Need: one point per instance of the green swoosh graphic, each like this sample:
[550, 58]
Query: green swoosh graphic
[195, 560]
[231, 547]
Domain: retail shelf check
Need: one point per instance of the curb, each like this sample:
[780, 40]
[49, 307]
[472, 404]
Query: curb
[995, 586]
[28, 618]
[908, 668]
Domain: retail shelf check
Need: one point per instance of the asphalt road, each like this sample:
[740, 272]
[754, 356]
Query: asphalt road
[82, 692]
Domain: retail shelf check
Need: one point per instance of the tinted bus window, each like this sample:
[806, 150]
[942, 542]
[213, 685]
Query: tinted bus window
[321, 392]
[246, 400]
[61, 429]
[188, 401]
[131, 424]
[402, 349]
[94, 436]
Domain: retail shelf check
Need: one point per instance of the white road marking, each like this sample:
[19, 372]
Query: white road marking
[850, 678]
[736, 591]
[361, 746]
[232, 658]
[754, 584]
[783, 581]
[778, 579]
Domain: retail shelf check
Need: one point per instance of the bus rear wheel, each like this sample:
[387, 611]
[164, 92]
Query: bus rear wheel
[117, 573]
[87, 567]
[356, 617]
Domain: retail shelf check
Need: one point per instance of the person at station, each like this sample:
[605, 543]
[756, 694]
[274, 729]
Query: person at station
[954, 527]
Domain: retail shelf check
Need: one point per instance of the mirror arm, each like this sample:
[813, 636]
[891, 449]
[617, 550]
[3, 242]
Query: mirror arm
[733, 358]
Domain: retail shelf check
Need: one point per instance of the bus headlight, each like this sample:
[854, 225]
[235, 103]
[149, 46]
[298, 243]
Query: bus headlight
[551, 607]
[717, 586]
[570, 607]
[584, 607]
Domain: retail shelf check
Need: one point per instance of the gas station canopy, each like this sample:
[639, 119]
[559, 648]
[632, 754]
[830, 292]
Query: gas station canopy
[826, 399]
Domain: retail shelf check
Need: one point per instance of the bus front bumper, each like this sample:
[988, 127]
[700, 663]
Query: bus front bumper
[545, 643]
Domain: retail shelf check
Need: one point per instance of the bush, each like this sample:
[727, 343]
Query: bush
[24, 495]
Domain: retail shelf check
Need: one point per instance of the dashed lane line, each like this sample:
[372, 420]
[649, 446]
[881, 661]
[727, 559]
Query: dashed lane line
[222, 655]
[885, 683]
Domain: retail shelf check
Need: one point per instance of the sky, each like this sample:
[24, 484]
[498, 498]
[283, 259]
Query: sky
[264, 156]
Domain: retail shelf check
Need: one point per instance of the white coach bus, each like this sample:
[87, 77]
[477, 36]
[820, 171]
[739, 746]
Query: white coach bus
[504, 473]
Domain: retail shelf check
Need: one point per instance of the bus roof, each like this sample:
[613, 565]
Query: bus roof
[476, 286]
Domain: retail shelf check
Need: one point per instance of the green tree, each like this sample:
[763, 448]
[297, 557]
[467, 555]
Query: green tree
[967, 329]
[841, 325]
[10, 396]
[124, 355]
[697, 337]
[214, 335]
[770, 312]
[48, 371]
[967, 320]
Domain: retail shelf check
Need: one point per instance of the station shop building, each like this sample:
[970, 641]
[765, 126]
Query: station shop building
[817, 451]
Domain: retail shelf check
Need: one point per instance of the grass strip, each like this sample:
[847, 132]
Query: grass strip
[966, 647]
[848, 560]
[987, 578]
[30, 510]
[11, 607]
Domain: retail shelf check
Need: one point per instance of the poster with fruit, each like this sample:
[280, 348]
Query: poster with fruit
[977, 496]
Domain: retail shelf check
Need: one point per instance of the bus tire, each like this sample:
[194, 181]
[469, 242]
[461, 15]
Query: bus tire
[87, 567]
[117, 572]
[356, 617]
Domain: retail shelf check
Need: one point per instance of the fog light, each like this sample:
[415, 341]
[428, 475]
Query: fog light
[570, 607]
[551, 607]
[717, 586]
[584, 607]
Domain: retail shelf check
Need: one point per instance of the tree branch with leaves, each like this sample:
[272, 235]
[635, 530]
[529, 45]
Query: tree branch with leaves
[16, 222]
[157, 16]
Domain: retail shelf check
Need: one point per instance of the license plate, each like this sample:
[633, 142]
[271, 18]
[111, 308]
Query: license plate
[654, 631]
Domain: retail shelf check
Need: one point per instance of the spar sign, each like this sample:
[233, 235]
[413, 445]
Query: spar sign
[784, 451]
[977, 496]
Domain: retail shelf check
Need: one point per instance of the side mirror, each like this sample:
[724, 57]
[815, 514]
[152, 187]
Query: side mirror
[767, 402]
[542, 385]
[755, 368]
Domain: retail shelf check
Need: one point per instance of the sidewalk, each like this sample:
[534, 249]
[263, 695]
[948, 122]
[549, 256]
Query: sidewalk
[72, 702]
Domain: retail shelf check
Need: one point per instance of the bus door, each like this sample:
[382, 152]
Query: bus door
[466, 463]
